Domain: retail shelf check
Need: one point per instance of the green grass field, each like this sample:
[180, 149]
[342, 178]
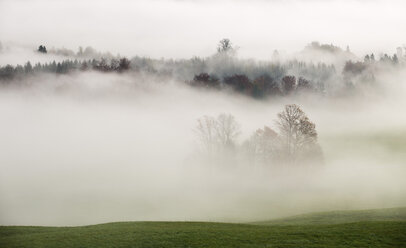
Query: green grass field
[370, 228]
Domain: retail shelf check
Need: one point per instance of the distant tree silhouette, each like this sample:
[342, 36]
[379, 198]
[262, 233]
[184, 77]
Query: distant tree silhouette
[124, 64]
[265, 85]
[205, 80]
[224, 46]
[101, 65]
[42, 49]
[288, 84]
[84, 66]
[367, 59]
[395, 59]
[240, 83]
[28, 68]
[114, 65]
[354, 68]
[59, 68]
[303, 84]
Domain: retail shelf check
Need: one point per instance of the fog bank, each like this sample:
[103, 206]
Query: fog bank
[90, 148]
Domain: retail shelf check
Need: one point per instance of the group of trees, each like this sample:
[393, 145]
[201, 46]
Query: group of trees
[223, 70]
[264, 79]
[325, 47]
[293, 144]
[259, 87]
[42, 49]
[370, 61]
[358, 67]
[384, 58]
[363, 72]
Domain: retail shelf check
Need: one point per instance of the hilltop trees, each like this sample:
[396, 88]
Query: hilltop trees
[225, 47]
[42, 49]
[223, 70]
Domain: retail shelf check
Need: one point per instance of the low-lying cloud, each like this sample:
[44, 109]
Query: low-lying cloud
[90, 148]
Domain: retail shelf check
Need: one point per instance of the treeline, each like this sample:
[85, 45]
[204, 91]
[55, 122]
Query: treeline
[292, 143]
[257, 80]
[223, 70]
[10, 72]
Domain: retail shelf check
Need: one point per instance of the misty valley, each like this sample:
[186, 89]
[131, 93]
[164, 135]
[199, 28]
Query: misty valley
[170, 139]
[136, 124]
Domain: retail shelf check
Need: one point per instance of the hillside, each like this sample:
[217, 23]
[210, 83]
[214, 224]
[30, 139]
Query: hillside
[388, 233]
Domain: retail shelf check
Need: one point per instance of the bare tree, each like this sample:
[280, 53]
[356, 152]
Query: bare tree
[217, 135]
[227, 130]
[298, 133]
[206, 133]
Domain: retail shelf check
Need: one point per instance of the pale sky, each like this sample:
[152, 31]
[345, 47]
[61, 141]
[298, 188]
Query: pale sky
[181, 29]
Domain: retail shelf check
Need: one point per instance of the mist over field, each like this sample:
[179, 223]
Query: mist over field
[92, 148]
[86, 146]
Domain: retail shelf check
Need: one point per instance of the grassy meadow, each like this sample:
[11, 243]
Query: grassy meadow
[369, 228]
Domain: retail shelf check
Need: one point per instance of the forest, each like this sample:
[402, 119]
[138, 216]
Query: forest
[225, 71]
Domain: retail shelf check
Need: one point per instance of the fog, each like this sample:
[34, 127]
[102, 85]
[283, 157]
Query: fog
[90, 148]
[179, 29]
[87, 147]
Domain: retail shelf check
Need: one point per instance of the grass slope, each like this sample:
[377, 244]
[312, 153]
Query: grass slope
[340, 217]
[203, 234]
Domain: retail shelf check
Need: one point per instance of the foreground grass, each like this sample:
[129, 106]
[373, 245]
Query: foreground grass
[390, 233]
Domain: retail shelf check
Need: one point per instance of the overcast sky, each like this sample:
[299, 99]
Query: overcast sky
[181, 29]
